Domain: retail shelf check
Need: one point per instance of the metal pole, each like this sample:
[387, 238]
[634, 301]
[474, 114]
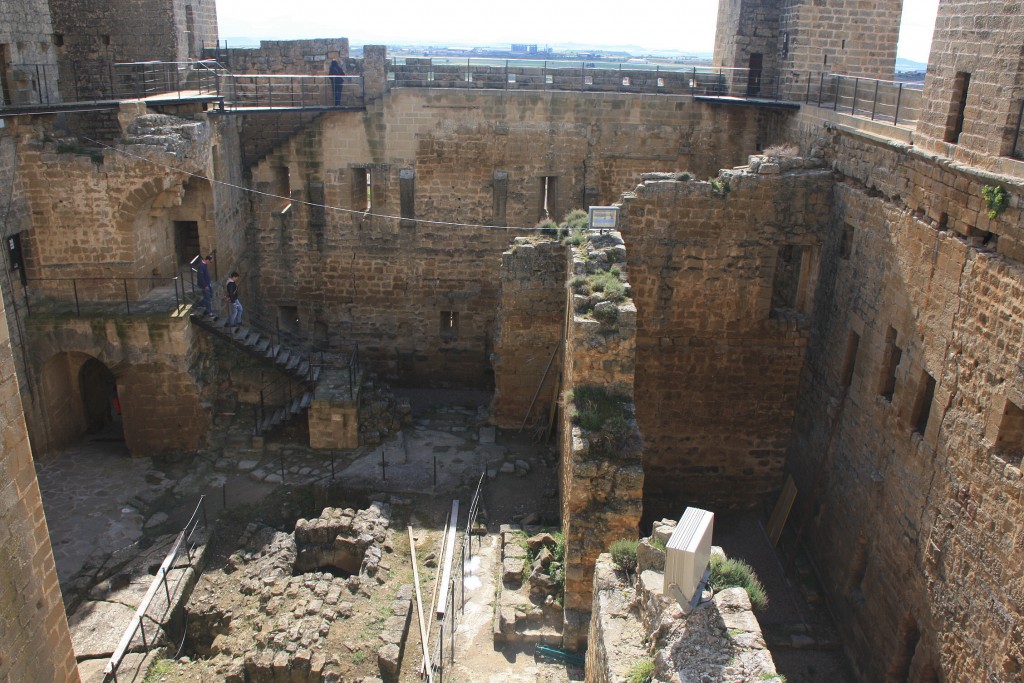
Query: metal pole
[856, 86]
[127, 306]
[835, 105]
[821, 87]
[896, 116]
[78, 308]
[874, 102]
[807, 97]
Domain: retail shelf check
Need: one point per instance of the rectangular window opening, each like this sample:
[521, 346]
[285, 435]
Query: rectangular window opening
[288, 317]
[280, 187]
[922, 403]
[849, 359]
[449, 324]
[1010, 439]
[890, 362]
[846, 242]
[362, 192]
[958, 105]
[58, 39]
[982, 239]
[548, 196]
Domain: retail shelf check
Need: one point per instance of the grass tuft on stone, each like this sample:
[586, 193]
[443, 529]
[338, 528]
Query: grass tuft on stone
[642, 671]
[623, 553]
[730, 572]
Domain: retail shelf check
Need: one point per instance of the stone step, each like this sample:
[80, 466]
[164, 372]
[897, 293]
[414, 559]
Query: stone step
[303, 369]
[273, 351]
[293, 363]
[283, 357]
[263, 345]
[296, 406]
[307, 399]
[251, 340]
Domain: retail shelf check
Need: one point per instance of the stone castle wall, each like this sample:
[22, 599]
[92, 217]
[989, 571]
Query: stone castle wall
[985, 49]
[452, 156]
[36, 643]
[907, 453]
[528, 333]
[602, 476]
[307, 57]
[723, 283]
[151, 359]
[27, 35]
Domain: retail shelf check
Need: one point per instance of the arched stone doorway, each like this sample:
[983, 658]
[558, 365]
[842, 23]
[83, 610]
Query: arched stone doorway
[100, 405]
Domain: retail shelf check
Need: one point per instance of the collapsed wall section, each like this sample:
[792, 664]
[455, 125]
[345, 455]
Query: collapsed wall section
[723, 276]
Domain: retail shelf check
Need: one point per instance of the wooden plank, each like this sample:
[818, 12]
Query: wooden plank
[419, 610]
[781, 511]
[440, 563]
[453, 531]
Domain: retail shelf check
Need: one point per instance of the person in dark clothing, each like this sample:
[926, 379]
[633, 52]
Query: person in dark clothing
[206, 285]
[234, 305]
[337, 80]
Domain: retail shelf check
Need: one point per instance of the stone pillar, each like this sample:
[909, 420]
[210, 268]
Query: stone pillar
[375, 72]
[36, 644]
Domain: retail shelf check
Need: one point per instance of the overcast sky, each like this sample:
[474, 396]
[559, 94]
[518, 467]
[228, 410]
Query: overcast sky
[687, 26]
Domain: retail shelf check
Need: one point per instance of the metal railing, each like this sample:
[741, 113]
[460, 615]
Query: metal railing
[104, 295]
[888, 101]
[443, 651]
[186, 543]
[91, 81]
[275, 91]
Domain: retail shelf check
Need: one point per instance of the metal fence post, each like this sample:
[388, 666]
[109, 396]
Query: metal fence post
[899, 96]
[835, 105]
[127, 306]
[856, 87]
[78, 308]
[874, 102]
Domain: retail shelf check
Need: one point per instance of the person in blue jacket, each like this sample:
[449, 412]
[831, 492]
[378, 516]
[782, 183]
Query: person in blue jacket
[337, 80]
[206, 285]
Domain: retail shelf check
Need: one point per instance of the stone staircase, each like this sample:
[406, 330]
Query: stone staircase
[299, 369]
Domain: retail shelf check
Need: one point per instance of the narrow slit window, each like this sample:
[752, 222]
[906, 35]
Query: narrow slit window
[548, 196]
[846, 242]
[958, 107]
[449, 324]
[1010, 440]
[362, 191]
[890, 362]
[923, 403]
[849, 359]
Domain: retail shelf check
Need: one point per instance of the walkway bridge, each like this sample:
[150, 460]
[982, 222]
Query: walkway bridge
[209, 83]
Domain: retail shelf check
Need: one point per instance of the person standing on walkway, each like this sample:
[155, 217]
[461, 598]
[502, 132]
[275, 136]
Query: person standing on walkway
[206, 285]
[337, 75]
[234, 305]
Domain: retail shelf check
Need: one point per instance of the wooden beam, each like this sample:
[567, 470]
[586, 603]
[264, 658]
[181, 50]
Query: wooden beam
[453, 531]
[419, 610]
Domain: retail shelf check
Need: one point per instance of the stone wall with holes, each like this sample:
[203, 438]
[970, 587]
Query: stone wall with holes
[26, 40]
[36, 644]
[385, 278]
[908, 447]
[724, 278]
[975, 63]
[301, 57]
[154, 362]
[528, 333]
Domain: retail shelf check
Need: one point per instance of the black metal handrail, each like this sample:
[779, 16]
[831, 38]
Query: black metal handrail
[100, 293]
[288, 91]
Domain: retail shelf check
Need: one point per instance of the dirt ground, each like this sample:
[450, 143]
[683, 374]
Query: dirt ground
[355, 626]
